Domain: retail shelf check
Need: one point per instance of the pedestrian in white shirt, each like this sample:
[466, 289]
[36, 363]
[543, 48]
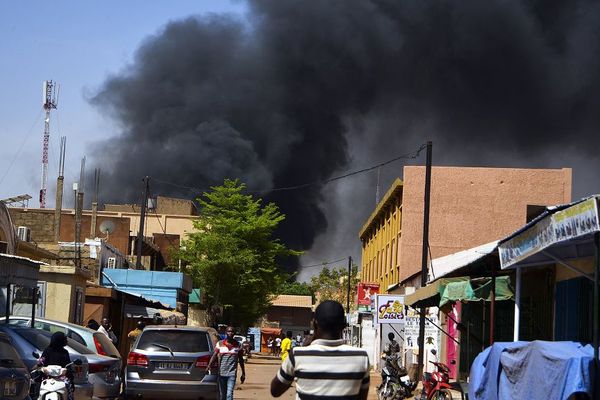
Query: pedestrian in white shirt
[106, 328]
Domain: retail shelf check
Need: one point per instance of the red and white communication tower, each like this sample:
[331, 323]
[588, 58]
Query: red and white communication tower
[50, 101]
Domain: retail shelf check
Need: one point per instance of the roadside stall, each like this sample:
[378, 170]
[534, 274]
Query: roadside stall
[565, 239]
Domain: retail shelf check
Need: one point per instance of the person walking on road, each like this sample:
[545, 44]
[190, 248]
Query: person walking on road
[326, 368]
[278, 346]
[270, 346]
[229, 353]
[286, 346]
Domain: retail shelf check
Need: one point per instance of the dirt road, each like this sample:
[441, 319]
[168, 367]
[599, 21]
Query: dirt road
[259, 373]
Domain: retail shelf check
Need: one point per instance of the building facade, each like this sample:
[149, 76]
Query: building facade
[469, 207]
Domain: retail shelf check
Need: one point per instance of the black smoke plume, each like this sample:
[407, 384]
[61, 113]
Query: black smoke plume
[297, 91]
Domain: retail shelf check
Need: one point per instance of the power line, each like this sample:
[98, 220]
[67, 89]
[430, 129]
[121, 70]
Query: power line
[18, 152]
[323, 264]
[410, 155]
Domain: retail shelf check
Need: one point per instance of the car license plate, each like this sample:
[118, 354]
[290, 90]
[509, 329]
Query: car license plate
[172, 365]
[10, 388]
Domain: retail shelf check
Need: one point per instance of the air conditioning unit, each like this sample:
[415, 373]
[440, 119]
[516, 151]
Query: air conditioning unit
[24, 233]
[112, 262]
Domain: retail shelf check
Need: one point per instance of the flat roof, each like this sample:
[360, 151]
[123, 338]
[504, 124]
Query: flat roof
[289, 300]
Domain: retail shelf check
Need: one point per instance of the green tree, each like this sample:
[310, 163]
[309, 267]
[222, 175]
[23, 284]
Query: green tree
[332, 284]
[233, 255]
[297, 288]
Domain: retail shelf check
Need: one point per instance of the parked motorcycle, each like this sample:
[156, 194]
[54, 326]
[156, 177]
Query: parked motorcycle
[436, 385]
[53, 386]
[395, 382]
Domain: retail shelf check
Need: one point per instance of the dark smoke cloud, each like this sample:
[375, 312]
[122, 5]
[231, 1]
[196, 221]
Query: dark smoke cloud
[297, 91]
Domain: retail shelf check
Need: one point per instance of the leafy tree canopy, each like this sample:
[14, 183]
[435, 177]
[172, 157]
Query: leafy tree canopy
[297, 288]
[233, 255]
[332, 284]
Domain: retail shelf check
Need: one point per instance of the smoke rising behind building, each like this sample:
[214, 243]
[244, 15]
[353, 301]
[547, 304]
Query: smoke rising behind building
[299, 91]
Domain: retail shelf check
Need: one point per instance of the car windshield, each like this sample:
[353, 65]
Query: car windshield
[8, 355]
[41, 340]
[176, 340]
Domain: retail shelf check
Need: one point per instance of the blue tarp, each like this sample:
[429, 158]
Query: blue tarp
[531, 370]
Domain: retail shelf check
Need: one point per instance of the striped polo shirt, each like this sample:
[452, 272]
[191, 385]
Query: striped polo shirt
[326, 369]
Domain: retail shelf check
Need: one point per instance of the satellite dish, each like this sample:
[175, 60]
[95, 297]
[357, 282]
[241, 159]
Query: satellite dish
[107, 227]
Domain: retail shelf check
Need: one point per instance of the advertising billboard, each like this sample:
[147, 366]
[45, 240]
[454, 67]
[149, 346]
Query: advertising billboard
[366, 293]
[390, 309]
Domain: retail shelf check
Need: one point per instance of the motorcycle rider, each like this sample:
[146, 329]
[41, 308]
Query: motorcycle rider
[56, 354]
[392, 347]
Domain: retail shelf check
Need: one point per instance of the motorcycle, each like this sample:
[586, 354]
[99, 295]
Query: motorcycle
[436, 385]
[395, 382]
[53, 385]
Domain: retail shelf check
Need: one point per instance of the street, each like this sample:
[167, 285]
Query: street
[260, 371]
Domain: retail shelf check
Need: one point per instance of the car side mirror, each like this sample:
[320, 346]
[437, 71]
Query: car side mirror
[35, 354]
[77, 362]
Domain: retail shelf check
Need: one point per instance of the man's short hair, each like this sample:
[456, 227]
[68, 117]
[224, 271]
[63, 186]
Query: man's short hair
[329, 315]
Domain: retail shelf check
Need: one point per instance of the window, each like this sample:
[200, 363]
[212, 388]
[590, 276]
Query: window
[176, 340]
[76, 337]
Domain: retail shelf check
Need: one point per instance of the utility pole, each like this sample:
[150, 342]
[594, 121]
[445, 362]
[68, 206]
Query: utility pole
[425, 249]
[140, 236]
[60, 181]
[79, 211]
[50, 101]
[348, 294]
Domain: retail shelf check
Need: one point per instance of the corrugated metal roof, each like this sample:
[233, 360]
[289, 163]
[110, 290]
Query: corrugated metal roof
[289, 300]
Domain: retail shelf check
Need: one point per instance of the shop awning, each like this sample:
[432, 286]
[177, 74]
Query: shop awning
[463, 289]
[18, 270]
[559, 234]
[443, 266]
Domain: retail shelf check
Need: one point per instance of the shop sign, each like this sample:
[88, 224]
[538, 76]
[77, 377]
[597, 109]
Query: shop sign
[411, 329]
[366, 293]
[575, 221]
[390, 309]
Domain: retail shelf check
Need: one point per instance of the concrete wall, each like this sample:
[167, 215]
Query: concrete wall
[296, 319]
[61, 282]
[40, 222]
[196, 315]
[472, 206]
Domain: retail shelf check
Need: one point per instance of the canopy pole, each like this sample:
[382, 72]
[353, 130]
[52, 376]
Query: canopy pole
[517, 305]
[596, 298]
[493, 306]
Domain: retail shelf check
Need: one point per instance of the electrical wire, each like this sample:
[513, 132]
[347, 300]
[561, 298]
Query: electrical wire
[410, 155]
[18, 152]
[323, 264]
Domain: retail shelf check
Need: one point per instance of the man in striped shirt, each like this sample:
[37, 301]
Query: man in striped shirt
[326, 368]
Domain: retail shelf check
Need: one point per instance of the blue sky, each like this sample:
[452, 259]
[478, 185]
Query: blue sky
[77, 44]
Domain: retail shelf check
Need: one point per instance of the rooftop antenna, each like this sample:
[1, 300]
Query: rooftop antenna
[50, 101]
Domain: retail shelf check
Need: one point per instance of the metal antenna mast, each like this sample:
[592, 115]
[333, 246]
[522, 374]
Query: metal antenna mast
[50, 101]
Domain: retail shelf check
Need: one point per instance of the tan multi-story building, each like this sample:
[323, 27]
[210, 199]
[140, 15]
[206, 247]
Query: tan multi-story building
[469, 207]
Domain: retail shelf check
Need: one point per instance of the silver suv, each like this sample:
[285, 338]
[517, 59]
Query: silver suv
[169, 362]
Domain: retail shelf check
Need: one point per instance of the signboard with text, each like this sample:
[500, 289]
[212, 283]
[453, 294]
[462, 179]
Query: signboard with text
[389, 309]
[411, 329]
[574, 221]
